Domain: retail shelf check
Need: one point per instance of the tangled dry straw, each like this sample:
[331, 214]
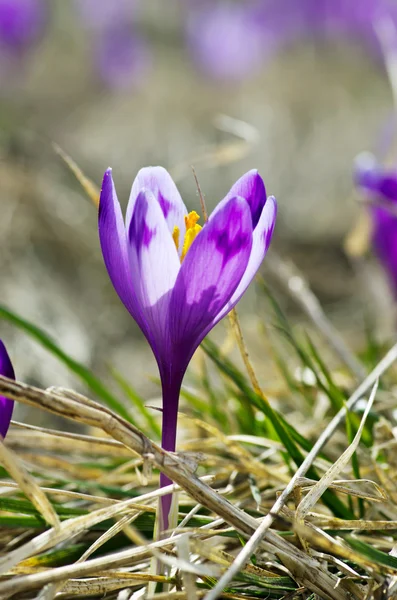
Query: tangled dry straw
[296, 556]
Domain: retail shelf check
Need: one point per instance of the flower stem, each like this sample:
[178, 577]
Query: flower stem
[171, 388]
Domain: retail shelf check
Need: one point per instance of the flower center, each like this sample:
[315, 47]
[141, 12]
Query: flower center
[192, 230]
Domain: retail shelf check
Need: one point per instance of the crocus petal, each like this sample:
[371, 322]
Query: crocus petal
[380, 185]
[374, 179]
[114, 246]
[384, 240]
[210, 274]
[261, 239]
[6, 405]
[251, 187]
[153, 256]
[159, 182]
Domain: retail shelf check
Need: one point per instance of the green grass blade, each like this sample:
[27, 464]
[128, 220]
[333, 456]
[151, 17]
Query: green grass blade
[137, 401]
[94, 384]
[371, 553]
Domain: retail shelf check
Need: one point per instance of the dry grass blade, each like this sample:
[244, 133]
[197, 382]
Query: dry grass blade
[27, 484]
[317, 490]
[189, 580]
[350, 487]
[108, 582]
[223, 153]
[320, 539]
[67, 434]
[90, 567]
[112, 531]
[53, 441]
[236, 327]
[68, 529]
[66, 494]
[89, 186]
[343, 524]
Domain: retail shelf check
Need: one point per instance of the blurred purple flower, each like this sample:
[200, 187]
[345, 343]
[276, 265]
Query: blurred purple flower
[97, 14]
[21, 23]
[6, 405]
[380, 186]
[230, 40]
[177, 279]
[337, 18]
[120, 55]
[225, 38]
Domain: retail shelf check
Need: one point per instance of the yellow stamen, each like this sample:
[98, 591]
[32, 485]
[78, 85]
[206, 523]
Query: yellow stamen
[192, 230]
[191, 219]
[175, 236]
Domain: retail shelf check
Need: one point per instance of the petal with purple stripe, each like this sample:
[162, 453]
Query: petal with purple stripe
[114, 246]
[261, 239]
[153, 255]
[210, 274]
[6, 405]
[251, 187]
[160, 183]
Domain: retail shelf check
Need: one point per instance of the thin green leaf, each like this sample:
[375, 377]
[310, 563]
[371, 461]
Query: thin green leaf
[94, 384]
[137, 401]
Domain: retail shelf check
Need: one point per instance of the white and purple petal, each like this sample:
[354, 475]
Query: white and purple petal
[160, 183]
[251, 187]
[209, 275]
[261, 239]
[154, 259]
[114, 246]
[6, 405]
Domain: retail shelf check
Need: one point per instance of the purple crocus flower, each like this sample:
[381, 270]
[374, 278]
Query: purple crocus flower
[231, 40]
[21, 23]
[225, 39]
[98, 15]
[380, 186]
[6, 405]
[120, 55]
[177, 279]
[303, 18]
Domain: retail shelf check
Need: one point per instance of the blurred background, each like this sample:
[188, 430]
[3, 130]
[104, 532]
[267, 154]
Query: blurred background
[295, 88]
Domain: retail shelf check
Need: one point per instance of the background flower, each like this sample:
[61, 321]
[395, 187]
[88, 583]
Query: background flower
[225, 39]
[21, 23]
[380, 186]
[232, 40]
[120, 55]
[6, 405]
